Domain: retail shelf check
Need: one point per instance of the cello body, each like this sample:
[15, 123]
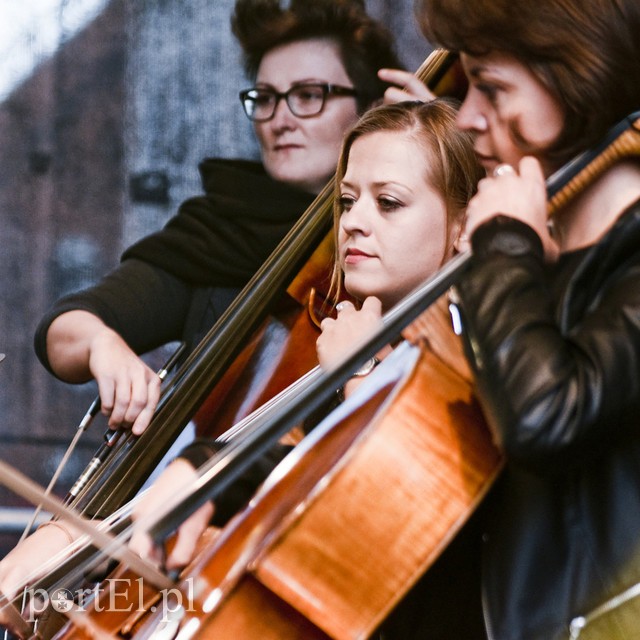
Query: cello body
[354, 516]
[279, 352]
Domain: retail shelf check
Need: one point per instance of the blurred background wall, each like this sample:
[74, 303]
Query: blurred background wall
[106, 109]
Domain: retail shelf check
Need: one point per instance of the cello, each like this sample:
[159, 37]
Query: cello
[262, 555]
[174, 412]
[347, 458]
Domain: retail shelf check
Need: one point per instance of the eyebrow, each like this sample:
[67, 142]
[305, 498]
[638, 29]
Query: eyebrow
[296, 82]
[380, 183]
[477, 70]
[480, 69]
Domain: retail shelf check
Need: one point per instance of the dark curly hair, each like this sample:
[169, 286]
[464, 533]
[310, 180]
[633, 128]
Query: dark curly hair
[365, 44]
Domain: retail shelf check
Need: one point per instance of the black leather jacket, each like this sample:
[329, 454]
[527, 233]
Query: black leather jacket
[557, 356]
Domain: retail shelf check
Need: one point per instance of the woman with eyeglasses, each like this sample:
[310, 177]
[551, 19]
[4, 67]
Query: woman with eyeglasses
[314, 67]
[315, 70]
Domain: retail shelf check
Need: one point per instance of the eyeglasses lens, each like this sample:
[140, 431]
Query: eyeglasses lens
[303, 101]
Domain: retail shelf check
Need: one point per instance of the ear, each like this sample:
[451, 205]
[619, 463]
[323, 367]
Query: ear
[461, 239]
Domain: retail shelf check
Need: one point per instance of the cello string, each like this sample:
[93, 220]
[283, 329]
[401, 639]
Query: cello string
[244, 425]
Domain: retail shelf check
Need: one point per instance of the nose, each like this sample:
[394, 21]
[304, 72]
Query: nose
[356, 220]
[470, 117]
[282, 119]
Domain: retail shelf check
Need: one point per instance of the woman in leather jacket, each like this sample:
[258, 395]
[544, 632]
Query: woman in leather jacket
[551, 310]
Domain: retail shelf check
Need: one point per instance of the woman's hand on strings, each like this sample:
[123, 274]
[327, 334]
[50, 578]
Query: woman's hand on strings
[404, 86]
[178, 475]
[351, 326]
[341, 335]
[517, 192]
[129, 389]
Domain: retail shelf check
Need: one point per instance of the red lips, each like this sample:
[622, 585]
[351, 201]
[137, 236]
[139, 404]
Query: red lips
[353, 255]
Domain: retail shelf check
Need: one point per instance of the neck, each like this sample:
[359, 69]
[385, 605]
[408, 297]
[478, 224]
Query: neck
[587, 218]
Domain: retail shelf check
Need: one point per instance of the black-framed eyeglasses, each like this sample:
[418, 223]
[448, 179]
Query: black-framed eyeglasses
[303, 100]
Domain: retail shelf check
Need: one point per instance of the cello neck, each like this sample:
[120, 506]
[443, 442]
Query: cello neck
[622, 141]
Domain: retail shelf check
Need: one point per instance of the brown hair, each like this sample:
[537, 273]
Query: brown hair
[365, 45]
[586, 52]
[453, 168]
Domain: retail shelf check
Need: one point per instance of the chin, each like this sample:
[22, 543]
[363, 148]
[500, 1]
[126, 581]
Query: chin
[363, 292]
[354, 291]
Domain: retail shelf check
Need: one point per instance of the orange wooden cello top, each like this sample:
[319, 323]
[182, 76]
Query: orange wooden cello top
[330, 545]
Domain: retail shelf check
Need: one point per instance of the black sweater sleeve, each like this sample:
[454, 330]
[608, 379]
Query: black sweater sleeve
[146, 305]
